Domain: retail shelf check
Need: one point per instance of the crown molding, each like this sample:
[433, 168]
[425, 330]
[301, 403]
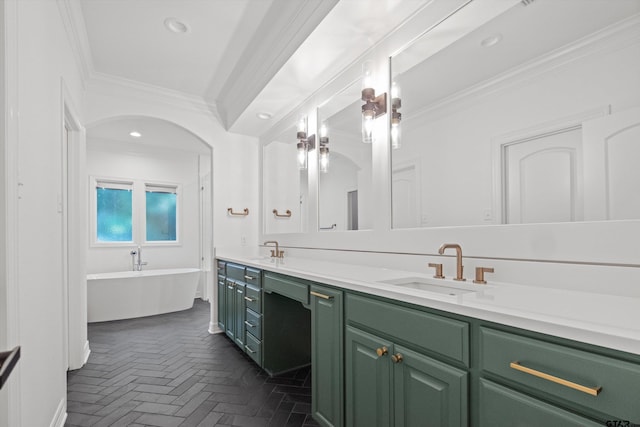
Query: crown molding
[285, 27]
[113, 85]
[74, 25]
[610, 39]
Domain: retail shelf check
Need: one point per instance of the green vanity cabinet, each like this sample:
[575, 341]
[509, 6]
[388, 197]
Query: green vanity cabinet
[222, 294]
[235, 311]
[243, 307]
[390, 374]
[529, 380]
[327, 370]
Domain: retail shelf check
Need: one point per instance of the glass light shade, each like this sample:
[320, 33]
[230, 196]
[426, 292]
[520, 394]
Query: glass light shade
[324, 159]
[395, 90]
[367, 75]
[323, 130]
[395, 135]
[368, 118]
[302, 155]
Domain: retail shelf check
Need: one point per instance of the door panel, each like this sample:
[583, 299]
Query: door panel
[428, 393]
[368, 380]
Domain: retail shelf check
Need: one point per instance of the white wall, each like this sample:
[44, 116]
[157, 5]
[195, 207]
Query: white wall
[108, 159]
[235, 157]
[593, 256]
[454, 146]
[43, 60]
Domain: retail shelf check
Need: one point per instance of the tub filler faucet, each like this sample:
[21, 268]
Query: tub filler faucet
[136, 259]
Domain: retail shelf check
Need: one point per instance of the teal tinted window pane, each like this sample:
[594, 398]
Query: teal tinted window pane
[161, 216]
[114, 215]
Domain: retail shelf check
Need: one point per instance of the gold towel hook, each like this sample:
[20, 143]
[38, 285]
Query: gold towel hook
[287, 213]
[245, 212]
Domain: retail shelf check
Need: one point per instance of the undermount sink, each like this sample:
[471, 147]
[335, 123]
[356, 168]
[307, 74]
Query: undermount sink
[433, 285]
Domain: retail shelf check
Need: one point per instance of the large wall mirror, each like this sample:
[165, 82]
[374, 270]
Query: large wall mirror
[344, 179]
[285, 186]
[534, 117]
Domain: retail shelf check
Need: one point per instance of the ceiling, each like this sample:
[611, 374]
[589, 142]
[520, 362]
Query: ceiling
[238, 57]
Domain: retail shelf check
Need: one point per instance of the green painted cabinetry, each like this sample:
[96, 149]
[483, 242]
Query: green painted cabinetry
[240, 306]
[327, 377]
[391, 378]
[222, 294]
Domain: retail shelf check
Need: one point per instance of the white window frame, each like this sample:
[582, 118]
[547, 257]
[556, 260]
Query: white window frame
[115, 183]
[138, 208]
[160, 186]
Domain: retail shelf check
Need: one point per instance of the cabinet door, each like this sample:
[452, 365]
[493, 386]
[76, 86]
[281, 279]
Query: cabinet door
[326, 356]
[368, 379]
[502, 407]
[221, 300]
[427, 393]
[239, 313]
[230, 309]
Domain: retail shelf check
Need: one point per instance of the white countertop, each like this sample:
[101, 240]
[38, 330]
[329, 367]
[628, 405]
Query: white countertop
[599, 319]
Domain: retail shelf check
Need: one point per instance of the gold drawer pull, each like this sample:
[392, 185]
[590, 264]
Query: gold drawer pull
[381, 351]
[397, 358]
[249, 324]
[589, 390]
[319, 295]
[249, 277]
[250, 299]
[249, 349]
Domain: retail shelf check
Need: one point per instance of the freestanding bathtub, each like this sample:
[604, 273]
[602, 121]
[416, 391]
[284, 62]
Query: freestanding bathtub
[129, 294]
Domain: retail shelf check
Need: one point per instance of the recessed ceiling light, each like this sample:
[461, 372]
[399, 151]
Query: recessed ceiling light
[264, 116]
[176, 26]
[492, 40]
[135, 134]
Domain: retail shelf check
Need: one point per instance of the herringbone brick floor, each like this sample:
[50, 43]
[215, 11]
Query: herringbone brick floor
[167, 370]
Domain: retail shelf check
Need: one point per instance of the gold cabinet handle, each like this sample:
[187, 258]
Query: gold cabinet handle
[239, 290]
[319, 295]
[286, 214]
[382, 351]
[249, 349]
[249, 324]
[250, 299]
[249, 277]
[589, 390]
[397, 358]
[245, 212]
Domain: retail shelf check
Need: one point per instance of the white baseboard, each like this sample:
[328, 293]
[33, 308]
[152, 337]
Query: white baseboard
[85, 353]
[214, 328]
[60, 417]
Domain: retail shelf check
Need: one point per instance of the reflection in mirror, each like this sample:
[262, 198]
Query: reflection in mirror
[284, 185]
[532, 117]
[344, 190]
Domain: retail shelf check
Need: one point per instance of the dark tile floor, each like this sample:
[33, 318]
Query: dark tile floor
[168, 370]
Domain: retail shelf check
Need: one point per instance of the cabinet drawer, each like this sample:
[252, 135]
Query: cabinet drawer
[253, 299]
[235, 271]
[436, 334]
[502, 407]
[286, 286]
[253, 277]
[221, 265]
[619, 381]
[253, 324]
[253, 347]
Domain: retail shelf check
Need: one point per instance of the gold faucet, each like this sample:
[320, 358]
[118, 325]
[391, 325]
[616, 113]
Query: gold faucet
[277, 253]
[459, 266]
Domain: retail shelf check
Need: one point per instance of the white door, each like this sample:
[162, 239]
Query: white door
[612, 175]
[405, 198]
[543, 178]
